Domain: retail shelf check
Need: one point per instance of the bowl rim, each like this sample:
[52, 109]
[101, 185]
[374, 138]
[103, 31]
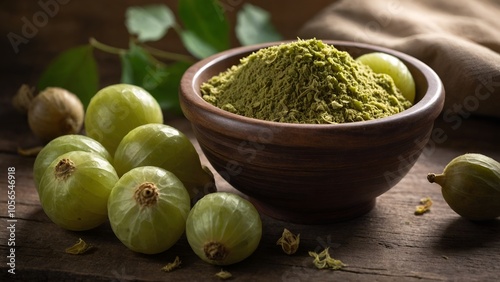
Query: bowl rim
[425, 110]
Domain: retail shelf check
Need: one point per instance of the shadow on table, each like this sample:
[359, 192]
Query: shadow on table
[463, 234]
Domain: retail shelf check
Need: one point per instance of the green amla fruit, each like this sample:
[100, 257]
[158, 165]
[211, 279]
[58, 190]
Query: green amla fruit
[471, 186]
[166, 147]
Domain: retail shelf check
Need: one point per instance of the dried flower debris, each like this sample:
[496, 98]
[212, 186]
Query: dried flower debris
[323, 260]
[79, 248]
[172, 265]
[425, 206]
[289, 242]
[222, 274]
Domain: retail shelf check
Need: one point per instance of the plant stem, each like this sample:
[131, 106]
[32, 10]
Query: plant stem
[153, 51]
[106, 48]
[168, 55]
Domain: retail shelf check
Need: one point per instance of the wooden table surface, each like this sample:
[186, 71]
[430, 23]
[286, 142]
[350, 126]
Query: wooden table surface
[390, 243]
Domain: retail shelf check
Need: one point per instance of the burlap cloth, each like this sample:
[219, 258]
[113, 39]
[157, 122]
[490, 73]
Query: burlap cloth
[459, 39]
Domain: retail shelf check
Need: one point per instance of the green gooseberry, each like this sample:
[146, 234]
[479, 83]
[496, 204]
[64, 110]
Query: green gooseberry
[64, 144]
[117, 109]
[74, 190]
[148, 208]
[223, 228]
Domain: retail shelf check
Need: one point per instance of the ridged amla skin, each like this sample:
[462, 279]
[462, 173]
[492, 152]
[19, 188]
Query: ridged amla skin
[117, 109]
[470, 184]
[148, 208]
[223, 228]
[64, 144]
[166, 147]
[74, 190]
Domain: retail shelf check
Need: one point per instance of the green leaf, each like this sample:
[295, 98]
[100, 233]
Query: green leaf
[168, 88]
[150, 23]
[162, 81]
[253, 26]
[206, 20]
[196, 46]
[135, 61]
[74, 70]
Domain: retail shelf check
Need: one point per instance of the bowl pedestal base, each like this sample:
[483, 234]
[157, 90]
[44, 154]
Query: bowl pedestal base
[317, 217]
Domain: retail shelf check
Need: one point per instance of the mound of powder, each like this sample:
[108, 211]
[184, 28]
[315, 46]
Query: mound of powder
[305, 81]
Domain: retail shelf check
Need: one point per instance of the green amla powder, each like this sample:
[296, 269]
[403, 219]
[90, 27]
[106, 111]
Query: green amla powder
[305, 81]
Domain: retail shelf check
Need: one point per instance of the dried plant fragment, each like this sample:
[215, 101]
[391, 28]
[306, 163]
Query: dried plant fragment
[222, 274]
[172, 265]
[425, 206]
[29, 152]
[289, 242]
[324, 261]
[79, 248]
[22, 100]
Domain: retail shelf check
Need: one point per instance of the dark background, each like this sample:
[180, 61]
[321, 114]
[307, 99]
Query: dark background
[76, 21]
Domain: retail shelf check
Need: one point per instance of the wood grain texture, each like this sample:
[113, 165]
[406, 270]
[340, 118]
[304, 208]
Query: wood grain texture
[389, 243]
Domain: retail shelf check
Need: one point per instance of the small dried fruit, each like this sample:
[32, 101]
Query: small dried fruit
[470, 184]
[55, 112]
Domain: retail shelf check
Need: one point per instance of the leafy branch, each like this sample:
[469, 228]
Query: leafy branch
[202, 26]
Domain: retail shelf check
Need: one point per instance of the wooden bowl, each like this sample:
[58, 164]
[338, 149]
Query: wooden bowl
[310, 173]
